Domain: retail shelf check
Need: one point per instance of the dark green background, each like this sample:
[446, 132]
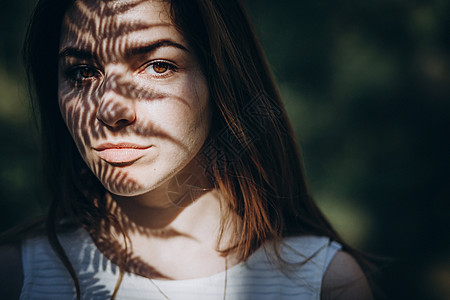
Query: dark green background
[366, 84]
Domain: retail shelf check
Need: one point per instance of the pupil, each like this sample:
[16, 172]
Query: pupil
[160, 68]
[86, 73]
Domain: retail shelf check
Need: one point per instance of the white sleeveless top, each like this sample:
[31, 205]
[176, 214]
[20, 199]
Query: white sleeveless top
[45, 277]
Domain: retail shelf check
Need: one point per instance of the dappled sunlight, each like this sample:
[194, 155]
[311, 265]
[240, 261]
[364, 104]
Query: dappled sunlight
[365, 85]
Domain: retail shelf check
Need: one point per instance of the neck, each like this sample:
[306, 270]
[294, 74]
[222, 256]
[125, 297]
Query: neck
[137, 216]
[172, 241]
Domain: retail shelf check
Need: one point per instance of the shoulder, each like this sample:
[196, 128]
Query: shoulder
[316, 252]
[344, 279]
[310, 245]
[11, 271]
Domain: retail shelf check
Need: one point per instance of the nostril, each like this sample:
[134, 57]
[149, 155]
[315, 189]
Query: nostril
[123, 122]
[116, 114]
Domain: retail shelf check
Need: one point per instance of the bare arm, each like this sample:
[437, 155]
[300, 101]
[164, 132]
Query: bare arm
[11, 272]
[344, 279]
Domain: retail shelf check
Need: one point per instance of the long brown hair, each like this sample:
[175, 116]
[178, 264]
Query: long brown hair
[256, 165]
[251, 154]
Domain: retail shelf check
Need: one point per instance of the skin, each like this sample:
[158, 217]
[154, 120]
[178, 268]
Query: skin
[345, 280]
[128, 79]
[155, 98]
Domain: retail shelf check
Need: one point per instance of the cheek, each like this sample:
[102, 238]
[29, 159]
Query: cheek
[78, 112]
[191, 120]
[200, 105]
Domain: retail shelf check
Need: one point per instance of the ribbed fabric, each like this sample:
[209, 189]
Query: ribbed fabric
[45, 277]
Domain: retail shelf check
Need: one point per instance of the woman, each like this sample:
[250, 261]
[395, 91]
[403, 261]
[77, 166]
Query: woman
[173, 168]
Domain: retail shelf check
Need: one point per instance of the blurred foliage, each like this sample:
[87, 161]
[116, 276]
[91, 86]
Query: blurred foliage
[20, 185]
[366, 84]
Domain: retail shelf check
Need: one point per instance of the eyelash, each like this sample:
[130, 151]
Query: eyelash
[170, 68]
[74, 74]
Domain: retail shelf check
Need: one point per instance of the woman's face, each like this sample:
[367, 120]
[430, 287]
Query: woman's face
[131, 93]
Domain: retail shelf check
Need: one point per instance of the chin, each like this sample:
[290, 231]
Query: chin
[125, 189]
[128, 186]
[144, 177]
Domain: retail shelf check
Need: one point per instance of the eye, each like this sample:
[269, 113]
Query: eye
[160, 68]
[82, 73]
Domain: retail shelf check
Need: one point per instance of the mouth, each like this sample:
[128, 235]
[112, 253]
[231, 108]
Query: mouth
[120, 154]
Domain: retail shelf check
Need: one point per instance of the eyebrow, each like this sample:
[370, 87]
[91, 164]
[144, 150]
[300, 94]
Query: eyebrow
[77, 53]
[152, 47]
[139, 50]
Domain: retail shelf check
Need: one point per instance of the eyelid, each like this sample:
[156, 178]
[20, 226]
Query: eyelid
[71, 70]
[172, 67]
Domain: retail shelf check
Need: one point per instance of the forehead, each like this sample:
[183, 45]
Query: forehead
[97, 21]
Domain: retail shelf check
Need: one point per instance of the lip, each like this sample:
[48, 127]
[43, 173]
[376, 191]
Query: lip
[121, 153]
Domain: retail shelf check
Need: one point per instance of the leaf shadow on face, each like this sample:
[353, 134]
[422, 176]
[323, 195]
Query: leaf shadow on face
[86, 23]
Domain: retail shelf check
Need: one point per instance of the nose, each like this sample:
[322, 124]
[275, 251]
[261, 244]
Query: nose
[115, 110]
